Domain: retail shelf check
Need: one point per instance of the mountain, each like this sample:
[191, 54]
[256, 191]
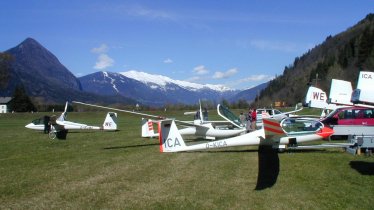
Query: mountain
[154, 90]
[159, 81]
[249, 94]
[47, 81]
[39, 71]
[339, 57]
[44, 78]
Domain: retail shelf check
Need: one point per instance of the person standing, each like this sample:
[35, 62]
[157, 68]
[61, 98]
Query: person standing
[205, 114]
[249, 121]
[242, 119]
[254, 118]
[47, 126]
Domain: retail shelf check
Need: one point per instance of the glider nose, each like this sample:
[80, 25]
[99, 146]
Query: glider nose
[29, 125]
[325, 132]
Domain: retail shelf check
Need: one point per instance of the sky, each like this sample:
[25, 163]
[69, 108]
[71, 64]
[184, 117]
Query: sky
[236, 43]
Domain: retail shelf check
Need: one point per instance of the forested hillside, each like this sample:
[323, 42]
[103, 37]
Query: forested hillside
[340, 57]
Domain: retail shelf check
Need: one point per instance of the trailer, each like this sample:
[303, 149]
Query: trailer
[359, 139]
[347, 130]
[361, 144]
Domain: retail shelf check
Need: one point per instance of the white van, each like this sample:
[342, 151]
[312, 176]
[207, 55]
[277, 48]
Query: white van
[269, 112]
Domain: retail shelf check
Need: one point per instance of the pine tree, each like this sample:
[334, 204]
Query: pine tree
[5, 59]
[21, 101]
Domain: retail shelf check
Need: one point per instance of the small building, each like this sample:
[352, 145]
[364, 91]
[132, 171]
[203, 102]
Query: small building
[4, 103]
[280, 104]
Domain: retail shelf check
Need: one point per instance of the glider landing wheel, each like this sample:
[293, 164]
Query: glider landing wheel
[52, 135]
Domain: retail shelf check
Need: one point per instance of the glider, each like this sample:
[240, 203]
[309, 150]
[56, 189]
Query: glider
[198, 127]
[288, 132]
[278, 134]
[60, 124]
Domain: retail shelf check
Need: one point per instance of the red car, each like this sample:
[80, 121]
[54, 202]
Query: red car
[350, 116]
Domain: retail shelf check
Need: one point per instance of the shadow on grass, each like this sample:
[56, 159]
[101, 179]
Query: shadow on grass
[224, 151]
[131, 146]
[91, 131]
[326, 150]
[268, 167]
[364, 168]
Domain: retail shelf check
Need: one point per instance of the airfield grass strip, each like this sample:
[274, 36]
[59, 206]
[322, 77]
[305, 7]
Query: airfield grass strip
[120, 170]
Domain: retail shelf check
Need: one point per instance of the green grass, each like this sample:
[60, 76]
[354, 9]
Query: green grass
[120, 170]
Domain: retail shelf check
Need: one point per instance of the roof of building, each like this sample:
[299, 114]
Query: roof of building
[5, 100]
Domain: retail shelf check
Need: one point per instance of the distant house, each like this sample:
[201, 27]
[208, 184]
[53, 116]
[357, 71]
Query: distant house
[4, 102]
[279, 104]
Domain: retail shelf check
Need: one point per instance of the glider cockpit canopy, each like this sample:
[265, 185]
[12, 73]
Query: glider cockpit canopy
[226, 114]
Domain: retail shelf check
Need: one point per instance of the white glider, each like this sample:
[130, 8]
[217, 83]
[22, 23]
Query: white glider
[280, 135]
[198, 127]
[110, 123]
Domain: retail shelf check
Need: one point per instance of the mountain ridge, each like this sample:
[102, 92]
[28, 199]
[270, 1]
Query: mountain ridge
[341, 56]
[161, 80]
[148, 91]
[48, 81]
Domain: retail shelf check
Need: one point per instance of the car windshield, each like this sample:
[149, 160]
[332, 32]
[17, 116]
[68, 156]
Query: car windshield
[331, 114]
[277, 112]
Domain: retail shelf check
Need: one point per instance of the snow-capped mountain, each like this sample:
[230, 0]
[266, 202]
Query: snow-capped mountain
[46, 79]
[154, 90]
[159, 81]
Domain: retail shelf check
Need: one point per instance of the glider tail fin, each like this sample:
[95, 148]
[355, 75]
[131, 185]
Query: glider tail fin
[64, 114]
[316, 98]
[364, 92]
[273, 129]
[170, 138]
[340, 92]
[110, 122]
[147, 128]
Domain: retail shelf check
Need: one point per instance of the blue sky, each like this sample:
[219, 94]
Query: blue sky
[237, 43]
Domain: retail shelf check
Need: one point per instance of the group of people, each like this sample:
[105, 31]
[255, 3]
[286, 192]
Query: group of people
[249, 120]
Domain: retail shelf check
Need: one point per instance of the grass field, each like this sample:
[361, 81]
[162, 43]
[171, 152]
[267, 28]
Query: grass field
[120, 170]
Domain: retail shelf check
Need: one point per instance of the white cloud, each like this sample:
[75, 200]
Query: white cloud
[200, 70]
[168, 60]
[103, 62]
[226, 74]
[141, 11]
[259, 77]
[193, 79]
[99, 50]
